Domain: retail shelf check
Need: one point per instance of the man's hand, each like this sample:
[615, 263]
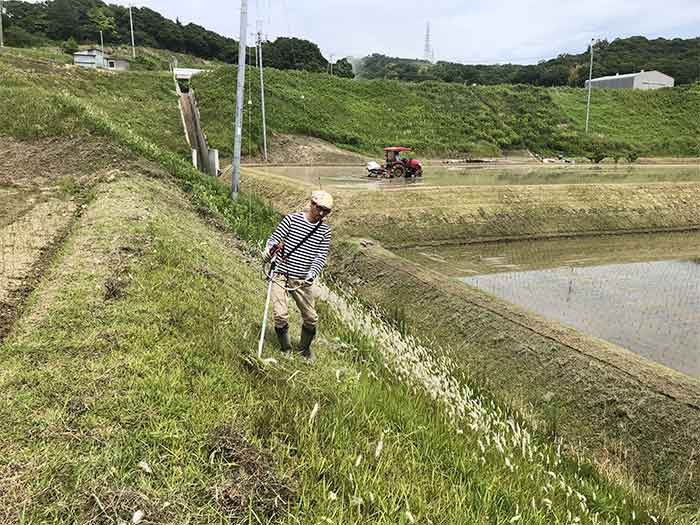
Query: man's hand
[266, 254]
[271, 251]
[309, 281]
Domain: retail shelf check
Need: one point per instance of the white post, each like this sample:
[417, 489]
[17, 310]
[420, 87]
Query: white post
[240, 84]
[102, 44]
[131, 23]
[590, 85]
[2, 38]
[262, 95]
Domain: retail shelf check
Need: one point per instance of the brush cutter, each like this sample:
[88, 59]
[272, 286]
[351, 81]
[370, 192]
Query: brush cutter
[269, 277]
[274, 252]
[267, 305]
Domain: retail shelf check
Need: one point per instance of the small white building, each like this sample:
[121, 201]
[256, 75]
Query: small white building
[94, 59]
[90, 58]
[117, 64]
[186, 73]
[641, 80]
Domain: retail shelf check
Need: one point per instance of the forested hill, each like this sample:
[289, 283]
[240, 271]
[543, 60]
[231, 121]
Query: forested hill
[59, 21]
[676, 57]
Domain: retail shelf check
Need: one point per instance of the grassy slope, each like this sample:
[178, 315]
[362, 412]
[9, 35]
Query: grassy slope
[442, 119]
[147, 58]
[663, 122]
[32, 86]
[134, 348]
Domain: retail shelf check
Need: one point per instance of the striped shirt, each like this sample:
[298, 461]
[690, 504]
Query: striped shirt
[308, 260]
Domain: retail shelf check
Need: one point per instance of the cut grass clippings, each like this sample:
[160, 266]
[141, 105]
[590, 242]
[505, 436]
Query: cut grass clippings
[95, 385]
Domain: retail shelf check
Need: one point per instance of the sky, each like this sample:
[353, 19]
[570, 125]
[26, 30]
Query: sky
[476, 31]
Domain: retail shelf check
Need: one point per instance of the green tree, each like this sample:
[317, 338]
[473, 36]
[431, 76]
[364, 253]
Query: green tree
[62, 19]
[343, 68]
[102, 19]
[70, 46]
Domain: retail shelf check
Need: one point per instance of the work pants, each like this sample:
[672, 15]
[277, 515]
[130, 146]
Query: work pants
[303, 297]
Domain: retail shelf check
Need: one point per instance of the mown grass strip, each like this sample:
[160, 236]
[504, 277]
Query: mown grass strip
[138, 348]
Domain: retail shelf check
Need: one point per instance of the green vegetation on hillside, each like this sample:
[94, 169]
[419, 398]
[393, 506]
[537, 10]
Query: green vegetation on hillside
[129, 383]
[142, 101]
[449, 119]
[55, 21]
[661, 122]
[676, 57]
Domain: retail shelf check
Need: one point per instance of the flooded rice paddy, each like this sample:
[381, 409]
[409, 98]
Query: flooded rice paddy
[641, 292]
[355, 177]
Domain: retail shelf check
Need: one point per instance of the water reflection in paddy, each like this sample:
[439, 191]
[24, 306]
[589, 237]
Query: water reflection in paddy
[641, 292]
[355, 177]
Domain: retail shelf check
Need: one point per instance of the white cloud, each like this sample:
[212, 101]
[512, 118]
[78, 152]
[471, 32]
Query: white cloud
[520, 31]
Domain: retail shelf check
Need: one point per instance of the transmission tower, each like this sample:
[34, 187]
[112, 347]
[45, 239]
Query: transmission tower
[428, 53]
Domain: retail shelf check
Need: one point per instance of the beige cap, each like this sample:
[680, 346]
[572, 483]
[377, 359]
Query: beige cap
[322, 198]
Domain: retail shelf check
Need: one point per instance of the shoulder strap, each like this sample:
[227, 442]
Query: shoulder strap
[306, 238]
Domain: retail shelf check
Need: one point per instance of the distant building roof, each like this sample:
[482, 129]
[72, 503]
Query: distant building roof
[630, 75]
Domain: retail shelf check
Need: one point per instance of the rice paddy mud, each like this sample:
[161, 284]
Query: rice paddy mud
[355, 177]
[404, 215]
[641, 292]
[630, 413]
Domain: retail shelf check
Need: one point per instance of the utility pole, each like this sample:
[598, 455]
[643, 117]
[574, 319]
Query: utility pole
[262, 88]
[2, 38]
[590, 85]
[102, 44]
[331, 63]
[240, 84]
[131, 23]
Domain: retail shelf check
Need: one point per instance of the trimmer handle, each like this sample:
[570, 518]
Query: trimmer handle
[277, 249]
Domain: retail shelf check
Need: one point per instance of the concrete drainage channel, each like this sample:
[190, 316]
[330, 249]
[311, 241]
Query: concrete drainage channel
[204, 158]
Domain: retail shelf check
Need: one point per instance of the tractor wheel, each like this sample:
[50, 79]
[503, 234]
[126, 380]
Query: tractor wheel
[398, 170]
[419, 172]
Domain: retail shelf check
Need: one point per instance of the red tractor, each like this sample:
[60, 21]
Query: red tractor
[395, 166]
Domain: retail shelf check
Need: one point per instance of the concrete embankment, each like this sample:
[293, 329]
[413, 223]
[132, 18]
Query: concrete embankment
[631, 414]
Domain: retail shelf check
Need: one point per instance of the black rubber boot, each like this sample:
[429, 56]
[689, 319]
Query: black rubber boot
[283, 338]
[307, 336]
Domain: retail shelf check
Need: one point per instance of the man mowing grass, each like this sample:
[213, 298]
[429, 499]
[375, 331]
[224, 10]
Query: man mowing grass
[300, 244]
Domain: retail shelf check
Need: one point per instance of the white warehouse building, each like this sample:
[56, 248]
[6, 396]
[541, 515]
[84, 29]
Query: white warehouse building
[641, 80]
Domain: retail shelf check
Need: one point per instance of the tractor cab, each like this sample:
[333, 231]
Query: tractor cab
[395, 165]
[393, 154]
[398, 166]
